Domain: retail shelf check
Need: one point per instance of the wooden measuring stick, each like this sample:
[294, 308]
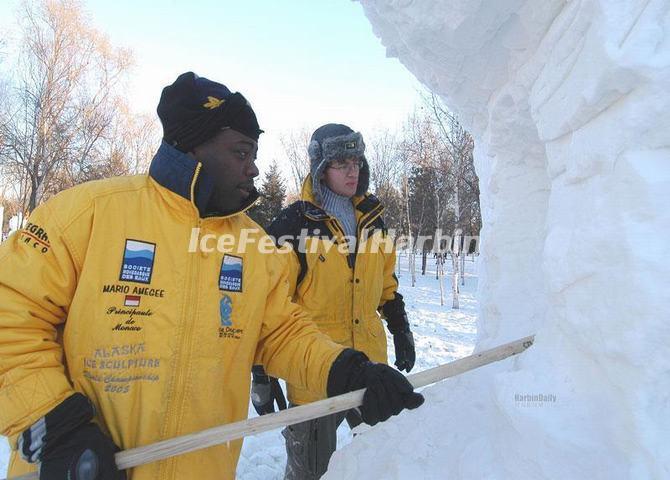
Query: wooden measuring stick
[232, 431]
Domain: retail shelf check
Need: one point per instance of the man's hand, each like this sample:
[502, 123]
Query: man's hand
[66, 445]
[387, 393]
[405, 355]
[265, 391]
[398, 325]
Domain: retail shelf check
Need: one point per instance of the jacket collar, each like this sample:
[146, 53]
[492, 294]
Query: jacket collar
[363, 203]
[180, 173]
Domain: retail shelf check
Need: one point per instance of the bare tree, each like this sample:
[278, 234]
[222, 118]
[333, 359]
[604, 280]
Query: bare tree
[3, 46]
[127, 148]
[63, 102]
[294, 144]
[386, 171]
[384, 159]
[442, 194]
[459, 145]
[411, 257]
[131, 142]
[416, 150]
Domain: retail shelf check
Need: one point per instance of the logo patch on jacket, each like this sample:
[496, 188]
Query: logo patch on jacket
[36, 237]
[227, 330]
[213, 102]
[230, 276]
[226, 309]
[138, 261]
[132, 301]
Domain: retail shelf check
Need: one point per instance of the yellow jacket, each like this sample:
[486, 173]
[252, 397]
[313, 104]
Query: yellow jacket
[99, 294]
[341, 300]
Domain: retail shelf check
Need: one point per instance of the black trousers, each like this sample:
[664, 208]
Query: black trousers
[309, 445]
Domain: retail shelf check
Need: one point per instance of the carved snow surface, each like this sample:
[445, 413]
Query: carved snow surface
[568, 102]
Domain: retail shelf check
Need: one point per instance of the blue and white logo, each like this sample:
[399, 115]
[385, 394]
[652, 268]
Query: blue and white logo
[230, 277]
[138, 261]
[226, 309]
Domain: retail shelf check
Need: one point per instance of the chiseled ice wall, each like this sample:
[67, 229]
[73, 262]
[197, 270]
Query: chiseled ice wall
[569, 104]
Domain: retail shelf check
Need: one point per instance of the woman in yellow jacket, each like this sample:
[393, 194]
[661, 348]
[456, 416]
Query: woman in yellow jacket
[121, 324]
[342, 274]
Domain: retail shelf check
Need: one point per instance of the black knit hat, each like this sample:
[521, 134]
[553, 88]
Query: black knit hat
[194, 109]
[335, 141]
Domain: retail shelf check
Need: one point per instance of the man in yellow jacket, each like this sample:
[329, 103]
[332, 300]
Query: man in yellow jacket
[121, 324]
[342, 273]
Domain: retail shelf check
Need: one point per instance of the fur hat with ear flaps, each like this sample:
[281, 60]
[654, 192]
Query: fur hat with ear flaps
[334, 141]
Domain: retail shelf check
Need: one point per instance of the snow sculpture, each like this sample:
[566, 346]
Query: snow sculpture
[568, 102]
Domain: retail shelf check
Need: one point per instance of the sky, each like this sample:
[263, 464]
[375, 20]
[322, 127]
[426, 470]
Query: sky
[300, 63]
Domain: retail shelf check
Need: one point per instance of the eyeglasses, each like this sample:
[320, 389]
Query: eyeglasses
[346, 164]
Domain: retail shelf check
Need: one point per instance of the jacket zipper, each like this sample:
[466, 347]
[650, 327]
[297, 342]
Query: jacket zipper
[365, 221]
[178, 394]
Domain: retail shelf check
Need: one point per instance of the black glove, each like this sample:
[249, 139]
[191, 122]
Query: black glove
[387, 392]
[398, 325]
[405, 354]
[67, 446]
[265, 391]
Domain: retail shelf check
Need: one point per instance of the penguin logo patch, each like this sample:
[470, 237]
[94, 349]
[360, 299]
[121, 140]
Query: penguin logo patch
[226, 309]
[227, 330]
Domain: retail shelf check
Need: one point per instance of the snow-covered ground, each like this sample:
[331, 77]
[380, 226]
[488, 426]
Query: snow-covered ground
[440, 333]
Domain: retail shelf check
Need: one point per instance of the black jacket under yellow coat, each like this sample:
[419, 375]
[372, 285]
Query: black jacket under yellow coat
[340, 291]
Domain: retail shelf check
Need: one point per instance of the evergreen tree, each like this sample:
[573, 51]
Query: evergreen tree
[273, 194]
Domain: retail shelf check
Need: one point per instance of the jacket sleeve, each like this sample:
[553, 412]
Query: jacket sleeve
[292, 266]
[37, 282]
[390, 280]
[392, 305]
[283, 231]
[290, 345]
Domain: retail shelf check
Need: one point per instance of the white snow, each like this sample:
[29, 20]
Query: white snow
[568, 102]
[4, 456]
[441, 335]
